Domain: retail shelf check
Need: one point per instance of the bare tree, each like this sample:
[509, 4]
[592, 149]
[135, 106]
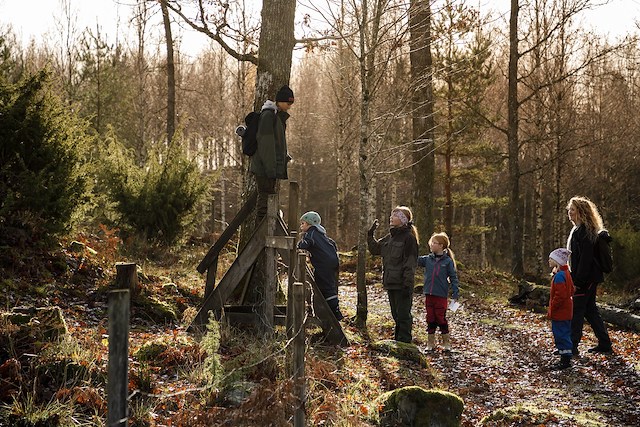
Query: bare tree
[560, 16]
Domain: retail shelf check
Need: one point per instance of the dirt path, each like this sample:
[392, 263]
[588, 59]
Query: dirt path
[501, 357]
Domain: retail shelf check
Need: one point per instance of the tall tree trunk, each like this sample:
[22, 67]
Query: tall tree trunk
[364, 164]
[276, 47]
[343, 145]
[422, 112]
[274, 70]
[171, 74]
[517, 267]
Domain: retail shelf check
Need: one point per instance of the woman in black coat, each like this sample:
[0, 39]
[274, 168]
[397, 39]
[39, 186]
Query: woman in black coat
[585, 272]
[399, 251]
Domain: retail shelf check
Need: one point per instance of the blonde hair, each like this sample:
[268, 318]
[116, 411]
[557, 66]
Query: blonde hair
[443, 239]
[587, 213]
[407, 212]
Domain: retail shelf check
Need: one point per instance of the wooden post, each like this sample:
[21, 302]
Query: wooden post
[265, 308]
[298, 354]
[293, 232]
[127, 277]
[302, 277]
[118, 366]
[211, 278]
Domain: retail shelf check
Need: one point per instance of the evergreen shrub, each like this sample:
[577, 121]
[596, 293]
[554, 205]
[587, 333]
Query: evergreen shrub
[157, 200]
[626, 252]
[42, 180]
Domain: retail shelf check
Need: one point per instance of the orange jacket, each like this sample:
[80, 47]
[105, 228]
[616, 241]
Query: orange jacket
[560, 297]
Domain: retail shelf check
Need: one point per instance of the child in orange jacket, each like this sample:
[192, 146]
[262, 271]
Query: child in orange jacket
[561, 306]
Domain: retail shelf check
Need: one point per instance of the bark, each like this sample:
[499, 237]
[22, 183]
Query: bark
[516, 219]
[423, 123]
[619, 317]
[362, 306]
[171, 74]
[274, 70]
[276, 47]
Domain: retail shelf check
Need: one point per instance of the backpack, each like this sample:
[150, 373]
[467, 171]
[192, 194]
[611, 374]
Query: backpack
[249, 133]
[603, 253]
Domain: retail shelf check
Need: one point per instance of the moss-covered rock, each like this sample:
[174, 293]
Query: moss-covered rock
[401, 350]
[531, 416]
[44, 323]
[415, 406]
[157, 309]
[150, 350]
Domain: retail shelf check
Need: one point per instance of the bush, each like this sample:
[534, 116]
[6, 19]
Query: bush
[156, 200]
[626, 252]
[41, 176]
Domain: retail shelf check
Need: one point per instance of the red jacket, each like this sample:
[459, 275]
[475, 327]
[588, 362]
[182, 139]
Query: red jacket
[560, 297]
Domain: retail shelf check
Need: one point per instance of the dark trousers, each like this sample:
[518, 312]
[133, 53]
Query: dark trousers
[584, 307]
[265, 186]
[436, 314]
[562, 336]
[400, 301]
[326, 281]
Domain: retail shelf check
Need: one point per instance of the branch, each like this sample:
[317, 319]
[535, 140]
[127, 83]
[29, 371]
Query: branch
[215, 35]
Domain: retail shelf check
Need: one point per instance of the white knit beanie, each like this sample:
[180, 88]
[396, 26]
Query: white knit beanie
[560, 255]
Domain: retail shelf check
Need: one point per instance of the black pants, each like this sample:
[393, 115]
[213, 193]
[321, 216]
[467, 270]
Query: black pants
[584, 307]
[265, 186]
[400, 301]
[326, 279]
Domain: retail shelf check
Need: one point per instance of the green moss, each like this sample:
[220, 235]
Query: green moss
[157, 309]
[528, 415]
[151, 350]
[418, 407]
[400, 350]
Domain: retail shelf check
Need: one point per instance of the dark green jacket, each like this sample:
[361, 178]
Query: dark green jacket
[399, 250]
[271, 158]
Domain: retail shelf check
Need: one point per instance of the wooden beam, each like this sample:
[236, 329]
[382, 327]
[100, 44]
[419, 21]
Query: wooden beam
[280, 242]
[127, 277]
[226, 235]
[246, 258]
[118, 363]
[266, 303]
[294, 201]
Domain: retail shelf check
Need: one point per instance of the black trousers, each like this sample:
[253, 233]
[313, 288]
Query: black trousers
[584, 307]
[265, 186]
[400, 301]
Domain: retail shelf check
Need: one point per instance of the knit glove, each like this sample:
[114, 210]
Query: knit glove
[374, 226]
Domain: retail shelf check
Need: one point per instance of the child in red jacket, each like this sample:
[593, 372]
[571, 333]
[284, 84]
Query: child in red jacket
[561, 306]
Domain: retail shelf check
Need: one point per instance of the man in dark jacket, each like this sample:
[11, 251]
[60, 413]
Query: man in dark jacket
[269, 163]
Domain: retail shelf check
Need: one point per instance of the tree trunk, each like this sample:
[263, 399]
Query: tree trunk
[276, 47]
[517, 267]
[171, 74]
[364, 165]
[274, 70]
[423, 121]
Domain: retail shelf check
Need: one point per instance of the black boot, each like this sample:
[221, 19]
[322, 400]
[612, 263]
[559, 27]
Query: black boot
[604, 349]
[564, 363]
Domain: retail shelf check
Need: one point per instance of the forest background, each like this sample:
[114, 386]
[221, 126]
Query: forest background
[499, 191]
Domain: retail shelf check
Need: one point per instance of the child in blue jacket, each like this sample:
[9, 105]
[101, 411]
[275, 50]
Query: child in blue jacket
[439, 275]
[323, 253]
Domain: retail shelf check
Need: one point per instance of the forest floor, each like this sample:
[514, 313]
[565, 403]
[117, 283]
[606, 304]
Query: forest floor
[500, 358]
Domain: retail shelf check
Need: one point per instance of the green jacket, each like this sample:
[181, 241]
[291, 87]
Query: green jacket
[399, 250]
[271, 158]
